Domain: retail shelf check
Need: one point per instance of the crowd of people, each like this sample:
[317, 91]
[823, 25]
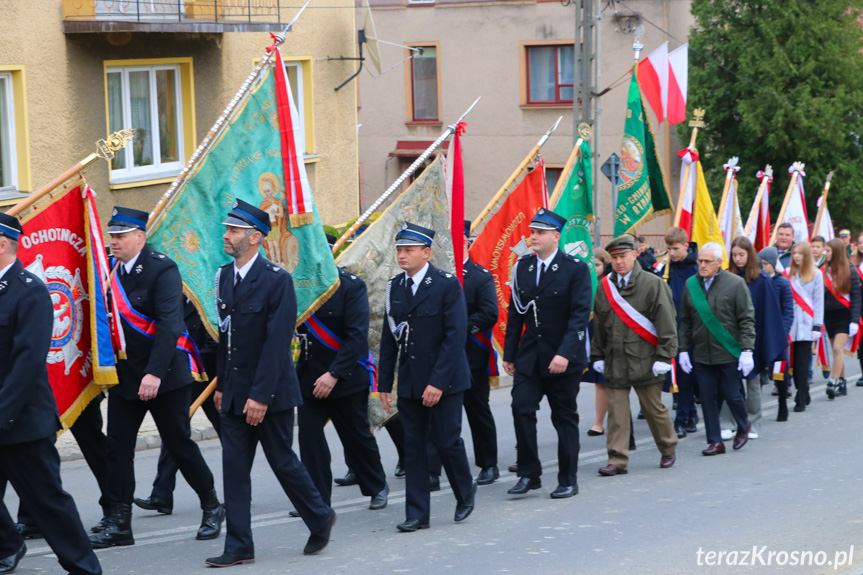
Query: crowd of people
[712, 336]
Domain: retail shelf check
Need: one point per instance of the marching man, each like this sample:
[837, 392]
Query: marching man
[633, 344]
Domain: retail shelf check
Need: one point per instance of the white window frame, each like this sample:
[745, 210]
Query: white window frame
[300, 100]
[157, 169]
[10, 137]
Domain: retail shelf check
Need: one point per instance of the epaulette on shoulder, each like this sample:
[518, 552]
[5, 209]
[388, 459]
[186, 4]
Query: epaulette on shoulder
[156, 255]
[274, 268]
[28, 279]
[526, 256]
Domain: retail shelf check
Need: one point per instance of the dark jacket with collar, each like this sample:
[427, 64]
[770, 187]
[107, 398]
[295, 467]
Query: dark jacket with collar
[258, 364]
[434, 351]
[346, 315]
[730, 301]
[154, 288]
[563, 310]
[481, 299]
[28, 410]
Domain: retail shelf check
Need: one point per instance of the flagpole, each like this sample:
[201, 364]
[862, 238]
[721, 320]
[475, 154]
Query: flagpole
[484, 213]
[397, 184]
[822, 205]
[757, 202]
[791, 186]
[221, 124]
[564, 175]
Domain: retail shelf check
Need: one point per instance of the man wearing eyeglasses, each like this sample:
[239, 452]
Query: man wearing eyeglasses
[717, 321]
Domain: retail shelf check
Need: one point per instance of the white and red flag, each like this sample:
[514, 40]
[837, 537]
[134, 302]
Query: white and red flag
[678, 83]
[730, 221]
[794, 207]
[653, 80]
[758, 223]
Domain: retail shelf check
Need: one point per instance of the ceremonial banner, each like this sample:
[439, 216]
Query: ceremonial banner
[643, 192]
[504, 237]
[824, 223]
[253, 158]
[62, 245]
[705, 227]
[730, 221]
[794, 207]
[758, 222]
[372, 256]
[576, 205]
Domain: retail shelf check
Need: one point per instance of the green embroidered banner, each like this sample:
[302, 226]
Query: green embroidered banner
[576, 205]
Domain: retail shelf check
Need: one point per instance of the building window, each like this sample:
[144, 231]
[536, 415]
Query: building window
[153, 99]
[424, 85]
[299, 73]
[550, 73]
[8, 144]
[552, 177]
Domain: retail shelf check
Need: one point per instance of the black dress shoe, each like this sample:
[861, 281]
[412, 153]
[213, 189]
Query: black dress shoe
[99, 527]
[229, 560]
[594, 433]
[294, 513]
[632, 446]
[400, 469]
[680, 431]
[350, 478]
[379, 501]
[488, 476]
[118, 531]
[564, 491]
[411, 525]
[212, 516]
[28, 531]
[154, 504]
[434, 483]
[640, 414]
[318, 541]
[524, 485]
[9, 564]
[465, 508]
[513, 468]
[799, 408]
[714, 449]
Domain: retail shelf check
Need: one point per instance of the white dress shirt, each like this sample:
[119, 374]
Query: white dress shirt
[546, 261]
[6, 269]
[243, 271]
[131, 263]
[417, 278]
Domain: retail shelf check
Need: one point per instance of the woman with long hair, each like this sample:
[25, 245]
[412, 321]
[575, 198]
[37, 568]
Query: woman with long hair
[858, 263]
[807, 285]
[602, 261]
[770, 337]
[841, 310]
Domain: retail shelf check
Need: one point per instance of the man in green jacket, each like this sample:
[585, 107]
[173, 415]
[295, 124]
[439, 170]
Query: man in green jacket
[634, 342]
[717, 321]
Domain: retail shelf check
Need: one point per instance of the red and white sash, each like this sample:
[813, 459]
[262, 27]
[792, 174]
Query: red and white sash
[843, 299]
[801, 298]
[630, 316]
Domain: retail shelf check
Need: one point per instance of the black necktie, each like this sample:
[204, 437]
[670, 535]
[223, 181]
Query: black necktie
[237, 280]
[541, 273]
[410, 289]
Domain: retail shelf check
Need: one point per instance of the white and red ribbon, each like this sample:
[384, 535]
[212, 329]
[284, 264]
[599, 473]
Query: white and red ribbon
[801, 298]
[630, 316]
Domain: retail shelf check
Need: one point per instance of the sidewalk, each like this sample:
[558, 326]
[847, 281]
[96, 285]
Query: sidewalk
[148, 436]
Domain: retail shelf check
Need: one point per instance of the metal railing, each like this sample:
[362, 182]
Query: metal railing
[181, 11]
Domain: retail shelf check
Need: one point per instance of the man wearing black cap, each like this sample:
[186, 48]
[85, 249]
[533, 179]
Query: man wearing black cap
[258, 387]
[425, 329]
[154, 377]
[550, 302]
[29, 420]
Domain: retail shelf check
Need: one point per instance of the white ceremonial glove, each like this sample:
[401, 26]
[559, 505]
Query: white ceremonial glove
[746, 363]
[661, 368]
[816, 335]
[853, 328]
[599, 366]
[683, 360]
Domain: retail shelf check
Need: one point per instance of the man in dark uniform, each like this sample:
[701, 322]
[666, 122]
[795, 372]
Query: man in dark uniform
[154, 377]
[551, 303]
[29, 420]
[425, 329]
[336, 374]
[161, 498]
[481, 299]
[257, 387]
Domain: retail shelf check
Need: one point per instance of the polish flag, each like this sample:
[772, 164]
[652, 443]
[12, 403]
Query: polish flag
[678, 81]
[653, 80]
[758, 223]
[825, 224]
[687, 188]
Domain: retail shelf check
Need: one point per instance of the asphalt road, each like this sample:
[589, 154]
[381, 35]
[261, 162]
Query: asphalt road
[795, 490]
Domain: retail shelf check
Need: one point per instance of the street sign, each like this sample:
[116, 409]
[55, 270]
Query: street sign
[611, 169]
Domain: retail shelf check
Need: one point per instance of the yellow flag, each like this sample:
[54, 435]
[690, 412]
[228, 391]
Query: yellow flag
[705, 226]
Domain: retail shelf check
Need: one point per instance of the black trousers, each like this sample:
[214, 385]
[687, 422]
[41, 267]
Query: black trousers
[170, 412]
[33, 469]
[715, 381]
[802, 351]
[166, 470]
[87, 431]
[561, 392]
[442, 425]
[350, 417]
[239, 443]
[397, 434]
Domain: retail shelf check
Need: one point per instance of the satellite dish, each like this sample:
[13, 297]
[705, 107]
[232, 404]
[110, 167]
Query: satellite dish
[371, 37]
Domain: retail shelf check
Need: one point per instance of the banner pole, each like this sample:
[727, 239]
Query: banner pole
[211, 387]
[564, 174]
[783, 208]
[503, 189]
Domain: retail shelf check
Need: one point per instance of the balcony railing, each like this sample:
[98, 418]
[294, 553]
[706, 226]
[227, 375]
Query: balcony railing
[171, 15]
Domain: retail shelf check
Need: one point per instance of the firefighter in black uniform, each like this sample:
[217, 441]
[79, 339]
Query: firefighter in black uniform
[29, 420]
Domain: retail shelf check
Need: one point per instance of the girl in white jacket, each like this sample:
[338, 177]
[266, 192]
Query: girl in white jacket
[807, 286]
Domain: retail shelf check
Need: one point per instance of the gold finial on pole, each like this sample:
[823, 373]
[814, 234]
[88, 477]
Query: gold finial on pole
[114, 143]
[697, 122]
